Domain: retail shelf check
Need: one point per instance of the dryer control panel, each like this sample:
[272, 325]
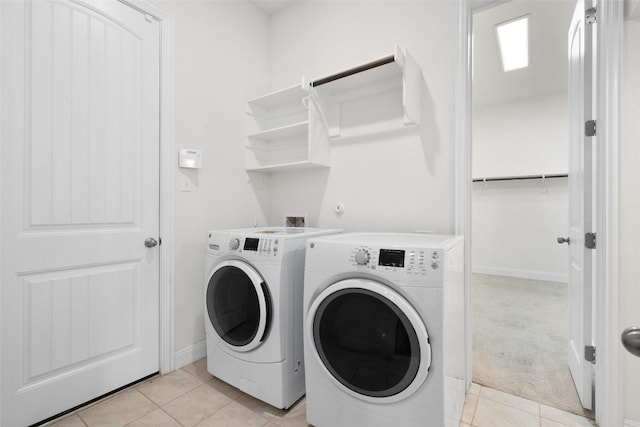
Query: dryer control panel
[411, 261]
[258, 246]
[253, 247]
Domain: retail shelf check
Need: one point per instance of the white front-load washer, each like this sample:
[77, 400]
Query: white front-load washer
[384, 330]
[253, 310]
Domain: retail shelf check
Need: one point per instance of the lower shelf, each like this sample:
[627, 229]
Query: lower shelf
[305, 164]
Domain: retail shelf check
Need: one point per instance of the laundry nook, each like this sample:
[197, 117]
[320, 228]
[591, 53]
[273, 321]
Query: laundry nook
[319, 213]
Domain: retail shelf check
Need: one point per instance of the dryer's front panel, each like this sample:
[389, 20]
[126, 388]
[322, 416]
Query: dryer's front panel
[370, 340]
[238, 305]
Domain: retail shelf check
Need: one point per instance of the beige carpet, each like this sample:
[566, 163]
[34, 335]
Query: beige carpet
[520, 340]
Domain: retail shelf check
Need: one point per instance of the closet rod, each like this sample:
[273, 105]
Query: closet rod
[515, 178]
[355, 70]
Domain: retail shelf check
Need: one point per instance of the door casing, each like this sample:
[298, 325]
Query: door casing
[609, 45]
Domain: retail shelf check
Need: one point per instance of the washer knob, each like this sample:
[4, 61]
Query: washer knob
[362, 257]
[234, 243]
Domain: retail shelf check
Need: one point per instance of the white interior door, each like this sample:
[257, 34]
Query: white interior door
[580, 203]
[80, 194]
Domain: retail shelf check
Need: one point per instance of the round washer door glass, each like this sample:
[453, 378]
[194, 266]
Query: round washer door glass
[238, 305]
[370, 339]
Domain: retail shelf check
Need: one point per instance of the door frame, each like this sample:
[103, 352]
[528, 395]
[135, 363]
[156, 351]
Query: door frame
[167, 160]
[607, 317]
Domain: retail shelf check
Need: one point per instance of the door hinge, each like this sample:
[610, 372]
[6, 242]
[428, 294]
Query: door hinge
[590, 240]
[590, 15]
[590, 128]
[590, 353]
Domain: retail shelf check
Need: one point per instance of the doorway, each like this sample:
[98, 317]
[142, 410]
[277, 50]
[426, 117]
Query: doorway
[519, 205]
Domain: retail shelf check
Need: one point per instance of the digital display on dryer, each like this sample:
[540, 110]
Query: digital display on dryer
[391, 258]
[251, 244]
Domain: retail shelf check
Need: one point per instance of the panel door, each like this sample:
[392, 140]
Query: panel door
[580, 208]
[80, 194]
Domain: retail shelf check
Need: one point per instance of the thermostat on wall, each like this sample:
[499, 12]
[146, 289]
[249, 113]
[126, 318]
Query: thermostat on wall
[190, 158]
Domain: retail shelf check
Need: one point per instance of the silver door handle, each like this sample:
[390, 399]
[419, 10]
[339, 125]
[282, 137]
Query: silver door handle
[631, 340]
[150, 242]
[564, 240]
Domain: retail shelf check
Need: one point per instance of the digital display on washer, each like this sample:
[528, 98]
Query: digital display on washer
[391, 258]
[251, 244]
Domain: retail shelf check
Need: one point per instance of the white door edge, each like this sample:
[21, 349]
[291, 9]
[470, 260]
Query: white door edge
[609, 40]
[167, 161]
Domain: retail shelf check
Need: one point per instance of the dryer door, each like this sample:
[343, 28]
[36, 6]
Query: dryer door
[370, 340]
[238, 305]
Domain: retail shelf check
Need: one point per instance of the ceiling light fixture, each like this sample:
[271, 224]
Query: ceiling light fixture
[513, 40]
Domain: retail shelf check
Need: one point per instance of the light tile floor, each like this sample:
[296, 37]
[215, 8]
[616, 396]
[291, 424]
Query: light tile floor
[192, 397]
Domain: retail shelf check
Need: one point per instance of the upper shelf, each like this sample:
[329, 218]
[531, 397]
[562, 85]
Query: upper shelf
[288, 96]
[381, 95]
[282, 132]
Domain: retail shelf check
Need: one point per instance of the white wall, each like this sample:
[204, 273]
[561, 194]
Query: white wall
[220, 52]
[523, 137]
[630, 209]
[400, 182]
[515, 223]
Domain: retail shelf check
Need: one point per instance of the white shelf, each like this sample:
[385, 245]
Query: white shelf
[291, 95]
[288, 166]
[380, 96]
[283, 132]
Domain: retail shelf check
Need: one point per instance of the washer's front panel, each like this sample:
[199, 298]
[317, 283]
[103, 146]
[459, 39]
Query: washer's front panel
[366, 343]
[370, 339]
[238, 305]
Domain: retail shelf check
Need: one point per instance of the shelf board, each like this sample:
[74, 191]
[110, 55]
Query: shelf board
[290, 95]
[283, 132]
[304, 164]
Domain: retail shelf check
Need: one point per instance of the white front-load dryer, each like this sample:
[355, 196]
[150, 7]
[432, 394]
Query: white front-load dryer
[384, 330]
[253, 310]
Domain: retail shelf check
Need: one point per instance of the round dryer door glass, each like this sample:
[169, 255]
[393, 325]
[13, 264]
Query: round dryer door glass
[238, 305]
[369, 343]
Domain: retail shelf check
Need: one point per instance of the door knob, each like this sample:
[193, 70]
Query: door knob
[631, 340]
[150, 242]
[564, 240]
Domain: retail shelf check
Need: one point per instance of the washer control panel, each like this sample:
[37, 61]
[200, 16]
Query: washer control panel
[263, 246]
[411, 261]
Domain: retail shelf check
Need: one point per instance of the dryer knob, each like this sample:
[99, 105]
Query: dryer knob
[234, 243]
[362, 257]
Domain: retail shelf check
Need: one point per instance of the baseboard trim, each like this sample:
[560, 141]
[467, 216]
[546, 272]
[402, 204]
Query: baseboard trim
[631, 423]
[190, 354]
[522, 274]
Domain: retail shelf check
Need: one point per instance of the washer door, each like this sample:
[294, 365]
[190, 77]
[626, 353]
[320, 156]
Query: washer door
[238, 305]
[370, 340]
